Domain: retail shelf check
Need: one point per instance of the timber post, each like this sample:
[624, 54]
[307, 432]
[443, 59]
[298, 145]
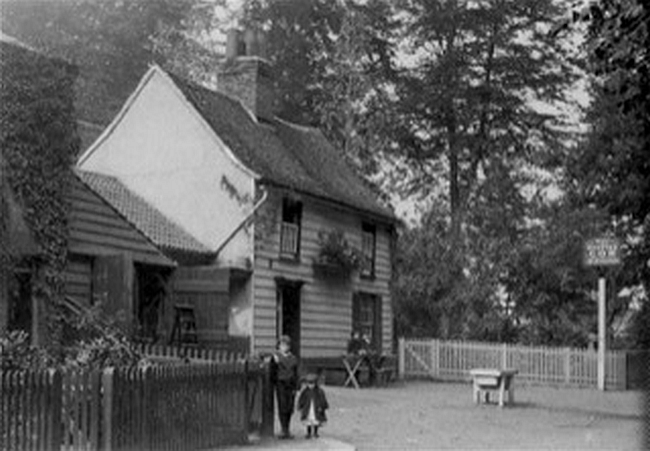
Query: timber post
[401, 348]
[107, 414]
[268, 408]
[56, 412]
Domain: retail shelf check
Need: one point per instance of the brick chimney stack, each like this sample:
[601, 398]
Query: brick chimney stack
[246, 74]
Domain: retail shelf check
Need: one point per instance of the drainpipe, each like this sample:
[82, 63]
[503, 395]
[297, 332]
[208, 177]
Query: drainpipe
[265, 194]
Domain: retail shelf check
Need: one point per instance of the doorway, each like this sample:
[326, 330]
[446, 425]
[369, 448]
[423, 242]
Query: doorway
[151, 293]
[20, 301]
[288, 312]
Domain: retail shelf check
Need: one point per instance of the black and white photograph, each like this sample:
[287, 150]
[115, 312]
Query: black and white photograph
[324, 225]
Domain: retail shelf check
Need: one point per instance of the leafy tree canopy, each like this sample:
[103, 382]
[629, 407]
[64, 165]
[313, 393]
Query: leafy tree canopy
[610, 169]
[113, 42]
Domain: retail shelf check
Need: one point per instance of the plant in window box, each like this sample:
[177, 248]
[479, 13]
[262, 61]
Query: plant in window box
[336, 257]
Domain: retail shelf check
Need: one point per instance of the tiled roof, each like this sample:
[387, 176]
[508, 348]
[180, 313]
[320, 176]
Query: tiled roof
[168, 236]
[292, 156]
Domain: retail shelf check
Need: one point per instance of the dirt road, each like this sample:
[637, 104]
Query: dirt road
[427, 415]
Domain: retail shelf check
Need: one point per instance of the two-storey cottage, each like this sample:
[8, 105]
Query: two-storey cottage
[263, 195]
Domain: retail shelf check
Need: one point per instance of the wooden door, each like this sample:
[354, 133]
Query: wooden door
[112, 286]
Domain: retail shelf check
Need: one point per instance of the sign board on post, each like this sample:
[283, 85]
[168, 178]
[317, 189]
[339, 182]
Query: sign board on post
[602, 252]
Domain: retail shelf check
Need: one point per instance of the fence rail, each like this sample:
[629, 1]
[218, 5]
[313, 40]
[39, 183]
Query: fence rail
[171, 407]
[452, 360]
[159, 352]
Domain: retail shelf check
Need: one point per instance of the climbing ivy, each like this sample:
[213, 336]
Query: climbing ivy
[38, 142]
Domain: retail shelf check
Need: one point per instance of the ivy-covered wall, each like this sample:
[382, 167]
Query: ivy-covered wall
[38, 141]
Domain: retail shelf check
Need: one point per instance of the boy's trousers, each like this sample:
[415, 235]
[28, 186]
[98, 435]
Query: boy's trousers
[286, 398]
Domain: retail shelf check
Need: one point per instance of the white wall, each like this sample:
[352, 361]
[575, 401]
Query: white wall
[162, 150]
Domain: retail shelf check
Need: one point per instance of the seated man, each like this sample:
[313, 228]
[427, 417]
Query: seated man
[356, 345]
[372, 359]
[360, 347]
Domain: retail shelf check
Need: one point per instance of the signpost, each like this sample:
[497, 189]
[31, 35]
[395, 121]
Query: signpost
[602, 252]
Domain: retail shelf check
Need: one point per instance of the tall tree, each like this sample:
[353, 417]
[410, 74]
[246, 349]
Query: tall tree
[301, 37]
[113, 42]
[469, 118]
[355, 105]
[335, 61]
[611, 167]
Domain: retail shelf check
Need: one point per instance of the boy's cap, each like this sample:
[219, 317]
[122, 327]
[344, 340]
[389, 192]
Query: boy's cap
[285, 339]
[311, 377]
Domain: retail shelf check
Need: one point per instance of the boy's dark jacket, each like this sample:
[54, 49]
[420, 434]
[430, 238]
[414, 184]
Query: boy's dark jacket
[285, 370]
[320, 403]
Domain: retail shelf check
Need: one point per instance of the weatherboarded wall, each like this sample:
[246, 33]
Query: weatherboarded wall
[326, 303]
[97, 230]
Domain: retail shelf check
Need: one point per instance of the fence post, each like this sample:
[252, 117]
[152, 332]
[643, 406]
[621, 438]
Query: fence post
[504, 356]
[146, 395]
[401, 357]
[567, 366]
[435, 363]
[107, 414]
[55, 412]
[267, 403]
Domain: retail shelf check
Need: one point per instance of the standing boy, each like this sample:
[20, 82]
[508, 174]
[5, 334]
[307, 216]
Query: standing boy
[284, 374]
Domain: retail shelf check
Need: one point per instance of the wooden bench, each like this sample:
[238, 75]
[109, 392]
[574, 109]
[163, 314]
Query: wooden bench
[489, 379]
[385, 372]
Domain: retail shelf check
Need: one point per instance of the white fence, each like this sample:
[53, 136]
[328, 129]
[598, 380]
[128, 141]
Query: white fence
[452, 360]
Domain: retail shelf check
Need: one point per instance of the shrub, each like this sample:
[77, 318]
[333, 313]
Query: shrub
[336, 251]
[16, 353]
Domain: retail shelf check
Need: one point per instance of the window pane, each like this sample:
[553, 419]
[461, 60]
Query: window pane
[368, 244]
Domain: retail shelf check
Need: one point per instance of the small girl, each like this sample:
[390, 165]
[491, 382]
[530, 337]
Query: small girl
[312, 404]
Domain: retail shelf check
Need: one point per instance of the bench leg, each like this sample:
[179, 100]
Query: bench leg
[476, 392]
[511, 392]
[502, 390]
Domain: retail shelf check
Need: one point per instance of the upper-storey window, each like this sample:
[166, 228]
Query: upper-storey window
[368, 249]
[290, 228]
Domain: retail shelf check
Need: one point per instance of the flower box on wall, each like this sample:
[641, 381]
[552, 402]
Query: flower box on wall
[330, 270]
[336, 259]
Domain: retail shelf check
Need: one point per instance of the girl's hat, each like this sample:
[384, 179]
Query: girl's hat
[311, 377]
[285, 339]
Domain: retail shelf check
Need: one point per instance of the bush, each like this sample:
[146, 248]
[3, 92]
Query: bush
[88, 343]
[16, 353]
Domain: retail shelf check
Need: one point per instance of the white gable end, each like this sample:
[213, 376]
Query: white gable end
[161, 148]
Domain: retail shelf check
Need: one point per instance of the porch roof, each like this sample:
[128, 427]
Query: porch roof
[169, 237]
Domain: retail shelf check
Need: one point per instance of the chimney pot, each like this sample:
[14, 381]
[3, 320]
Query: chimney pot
[233, 43]
[250, 42]
[246, 74]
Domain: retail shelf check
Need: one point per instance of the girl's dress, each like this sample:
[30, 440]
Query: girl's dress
[312, 404]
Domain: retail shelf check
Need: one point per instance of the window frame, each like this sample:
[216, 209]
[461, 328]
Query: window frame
[291, 216]
[372, 303]
[369, 264]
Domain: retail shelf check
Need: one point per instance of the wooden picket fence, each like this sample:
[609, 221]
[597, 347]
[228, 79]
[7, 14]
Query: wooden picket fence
[452, 360]
[168, 407]
[167, 354]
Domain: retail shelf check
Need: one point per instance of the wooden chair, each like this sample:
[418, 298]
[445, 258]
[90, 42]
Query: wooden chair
[184, 329]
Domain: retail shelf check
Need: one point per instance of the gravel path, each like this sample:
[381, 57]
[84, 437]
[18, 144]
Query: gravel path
[428, 415]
